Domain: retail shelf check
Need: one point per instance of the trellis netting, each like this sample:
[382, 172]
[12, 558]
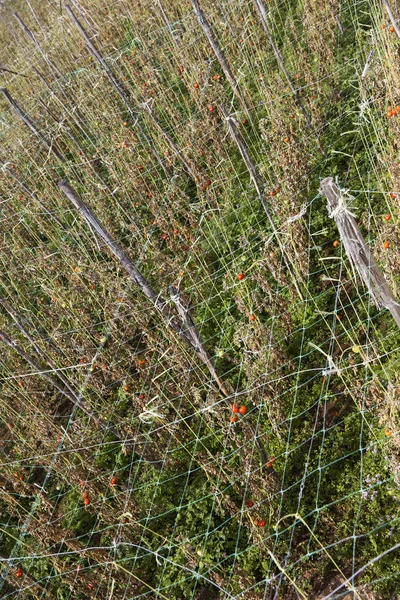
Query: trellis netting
[199, 391]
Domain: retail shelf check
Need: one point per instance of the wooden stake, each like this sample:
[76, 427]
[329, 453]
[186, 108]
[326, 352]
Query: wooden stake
[391, 17]
[263, 18]
[182, 323]
[28, 123]
[357, 250]
[115, 84]
[136, 111]
[177, 322]
[218, 52]
[32, 37]
[259, 186]
[191, 331]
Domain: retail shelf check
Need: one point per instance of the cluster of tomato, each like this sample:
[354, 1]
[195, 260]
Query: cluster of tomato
[275, 191]
[260, 522]
[85, 494]
[391, 112]
[256, 522]
[242, 410]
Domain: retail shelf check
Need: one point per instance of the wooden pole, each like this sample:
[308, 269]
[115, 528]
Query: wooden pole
[176, 322]
[391, 17]
[32, 37]
[115, 84]
[182, 323]
[259, 185]
[357, 250]
[218, 52]
[83, 15]
[30, 125]
[28, 191]
[262, 13]
[136, 111]
[195, 337]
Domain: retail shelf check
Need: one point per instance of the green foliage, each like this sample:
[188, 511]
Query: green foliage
[76, 517]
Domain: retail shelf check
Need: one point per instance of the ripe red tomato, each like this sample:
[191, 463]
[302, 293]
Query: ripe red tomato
[243, 410]
[262, 523]
[114, 480]
[235, 408]
[252, 318]
[85, 495]
[386, 245]
[234, 419]
[19, 573]
[388, 217]
[240, 276]
[86, 501]
[249, 503]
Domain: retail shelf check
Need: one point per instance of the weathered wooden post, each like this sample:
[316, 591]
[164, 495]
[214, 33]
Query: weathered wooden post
[357, 249]
[391, 17]
[178, 322]
[262, 13]
[181, 321]
[50, 145]
[212, 38]
[54, 69]
[259, 187]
